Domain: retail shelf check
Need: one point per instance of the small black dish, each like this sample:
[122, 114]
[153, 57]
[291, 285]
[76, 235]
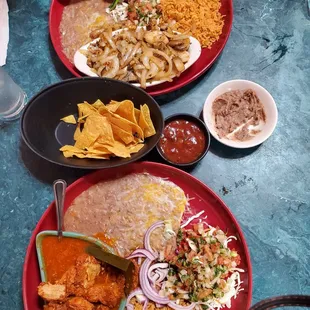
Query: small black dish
[200, 124]
[44, 132]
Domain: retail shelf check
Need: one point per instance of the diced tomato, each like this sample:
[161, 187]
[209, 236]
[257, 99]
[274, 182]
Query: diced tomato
[149, 6]
[191, 255]
[215, 247]
[132, 15]
[208, 253]
[237, 259]
[220, 260]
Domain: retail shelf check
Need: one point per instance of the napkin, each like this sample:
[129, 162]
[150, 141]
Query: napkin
[4, 30]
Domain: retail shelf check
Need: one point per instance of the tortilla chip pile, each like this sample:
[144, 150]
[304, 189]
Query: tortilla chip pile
[115, 129]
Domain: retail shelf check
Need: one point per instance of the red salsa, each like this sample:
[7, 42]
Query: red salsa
[182, 141]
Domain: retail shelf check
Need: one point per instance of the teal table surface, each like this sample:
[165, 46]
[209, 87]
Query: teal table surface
[267, 188]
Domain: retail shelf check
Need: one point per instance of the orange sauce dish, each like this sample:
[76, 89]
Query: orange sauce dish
[60, 254]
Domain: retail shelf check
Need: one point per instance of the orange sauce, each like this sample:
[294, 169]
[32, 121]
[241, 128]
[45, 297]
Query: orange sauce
[60, 254]
[107, 240]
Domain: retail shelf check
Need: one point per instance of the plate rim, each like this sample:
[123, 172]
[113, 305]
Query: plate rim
[145, 164]
[53, 33]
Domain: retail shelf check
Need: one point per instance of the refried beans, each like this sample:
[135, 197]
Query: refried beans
[75, 26]
[236, 112]
[123, 209]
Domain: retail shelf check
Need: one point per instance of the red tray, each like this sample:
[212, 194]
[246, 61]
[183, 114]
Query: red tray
[204, 199]
[207, 58]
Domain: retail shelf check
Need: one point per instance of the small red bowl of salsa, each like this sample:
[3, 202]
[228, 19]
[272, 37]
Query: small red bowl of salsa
[185, 140]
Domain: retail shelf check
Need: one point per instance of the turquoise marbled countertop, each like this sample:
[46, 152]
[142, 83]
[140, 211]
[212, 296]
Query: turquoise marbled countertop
[267, 188]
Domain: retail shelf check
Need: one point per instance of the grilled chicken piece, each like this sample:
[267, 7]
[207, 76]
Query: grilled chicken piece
[55, 306]
[102, 307]
[84, 281]
[75, 303]
[79, 303]
[52, 292]
[109, 294]
[81, 276]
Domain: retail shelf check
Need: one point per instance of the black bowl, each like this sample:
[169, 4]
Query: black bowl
[201, 125]
[44, 133]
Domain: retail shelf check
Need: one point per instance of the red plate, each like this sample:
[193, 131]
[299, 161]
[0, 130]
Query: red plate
[207, 58]
[204, 199]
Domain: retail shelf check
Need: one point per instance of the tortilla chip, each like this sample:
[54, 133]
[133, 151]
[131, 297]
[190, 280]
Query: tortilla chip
[71, 148]
[113, 105]
[77, 132]
[70, 119]
[128, 126]
[98, 149]
[145, 121]
[67, 154]
[135, 148]
[86, 109]
[104, 110]
[118, 149]
[122, 135]
[126, 109]
[137, 115]
[94, 156]
[116, 129]
[98, 104]
[95, 126]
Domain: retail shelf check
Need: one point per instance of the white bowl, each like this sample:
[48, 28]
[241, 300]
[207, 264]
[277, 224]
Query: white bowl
[264, 96]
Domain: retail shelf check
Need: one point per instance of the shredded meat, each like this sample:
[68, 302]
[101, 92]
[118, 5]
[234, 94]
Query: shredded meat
[235, 111]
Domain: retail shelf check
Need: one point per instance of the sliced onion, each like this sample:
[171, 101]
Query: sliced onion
[173, 305]
[153, 71]
[175, 36]
[110, 40]
[146, 287]
[145, 304]
[162, 275]
[178, 64]
[147, 235]
[167, 58]
[141, 253]
[134, 293]
[132, 54]
[156, 266]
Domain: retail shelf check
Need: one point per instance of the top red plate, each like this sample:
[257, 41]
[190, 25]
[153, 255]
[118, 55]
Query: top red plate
[204, 199]
[207, 58]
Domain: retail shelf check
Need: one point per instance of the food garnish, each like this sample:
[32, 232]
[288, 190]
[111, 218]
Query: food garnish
[115, 129]
[87, 284]
[182, 141]
[138, 55]
[237, 114]
[197, 269]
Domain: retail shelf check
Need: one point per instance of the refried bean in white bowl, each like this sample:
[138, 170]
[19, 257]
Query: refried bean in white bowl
[240, 113]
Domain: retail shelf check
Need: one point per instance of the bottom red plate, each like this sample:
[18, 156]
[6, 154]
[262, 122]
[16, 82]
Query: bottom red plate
[217, 213]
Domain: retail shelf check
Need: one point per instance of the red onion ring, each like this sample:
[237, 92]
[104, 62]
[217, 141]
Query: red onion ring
[141, 253]
[134, 293]
[156, 266]
[146, 287]
[147, 235]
